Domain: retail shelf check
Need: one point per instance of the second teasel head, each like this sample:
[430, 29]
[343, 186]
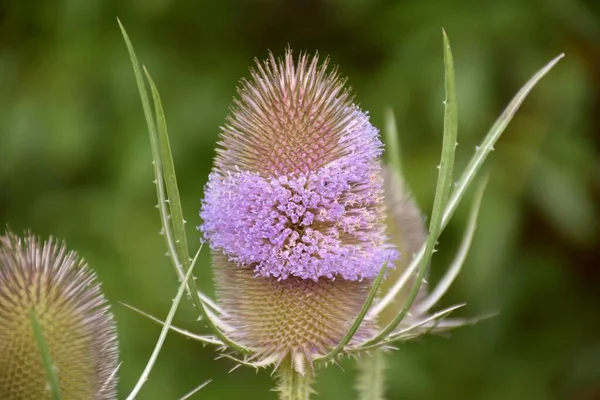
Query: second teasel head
[294, 213]
[79, 330]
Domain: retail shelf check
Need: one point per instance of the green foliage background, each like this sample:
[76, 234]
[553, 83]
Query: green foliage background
[75, 163]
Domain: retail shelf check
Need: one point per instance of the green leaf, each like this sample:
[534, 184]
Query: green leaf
[490, 140]
[46, 358]
[170, 179]
[444, 185]
[454, 269]
[205, 339]
[463, 184]
[173, 228]
[430, 324]
[436, 317]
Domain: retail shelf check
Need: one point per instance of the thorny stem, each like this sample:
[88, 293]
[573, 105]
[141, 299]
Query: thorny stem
[371, 376]
[292, 384]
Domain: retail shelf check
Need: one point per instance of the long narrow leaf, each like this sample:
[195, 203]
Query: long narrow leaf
[406, 334]
[170, 179]
[460, 257]
[383, 335]
[491, 138]
[467, 177]
[156, 159]
[444, 183]
[51, 376]
[174, 244]
[183, 257]
[434, 317]
[205, 339]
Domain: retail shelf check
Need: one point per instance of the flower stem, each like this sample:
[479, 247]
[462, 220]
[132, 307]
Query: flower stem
[371, 376]
[292, 384]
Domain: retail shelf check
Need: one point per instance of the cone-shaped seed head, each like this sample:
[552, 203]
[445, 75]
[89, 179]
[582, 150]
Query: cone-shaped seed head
[293, 210]
[78, 328]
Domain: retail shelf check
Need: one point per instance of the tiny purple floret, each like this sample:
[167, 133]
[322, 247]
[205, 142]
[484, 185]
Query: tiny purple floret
[315, 224]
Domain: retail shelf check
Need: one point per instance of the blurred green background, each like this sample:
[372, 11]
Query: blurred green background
[75, 162]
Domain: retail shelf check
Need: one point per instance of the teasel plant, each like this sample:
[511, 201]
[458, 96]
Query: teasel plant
[319, 251]
[58, 337]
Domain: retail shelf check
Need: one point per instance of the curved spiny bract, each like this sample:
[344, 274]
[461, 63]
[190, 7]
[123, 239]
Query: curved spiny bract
[78, 327]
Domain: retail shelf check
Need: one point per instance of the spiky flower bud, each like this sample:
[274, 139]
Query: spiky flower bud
[293, 210]
[406, 229]
[78, 327]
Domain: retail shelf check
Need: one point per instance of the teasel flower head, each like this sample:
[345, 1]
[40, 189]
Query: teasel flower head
[294, 213]
[57, 286]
